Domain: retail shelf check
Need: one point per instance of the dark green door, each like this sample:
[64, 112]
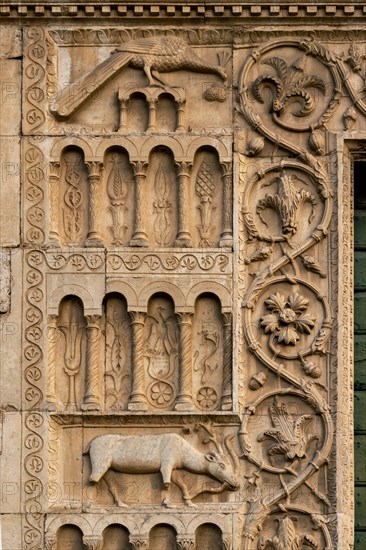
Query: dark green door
[360, 354]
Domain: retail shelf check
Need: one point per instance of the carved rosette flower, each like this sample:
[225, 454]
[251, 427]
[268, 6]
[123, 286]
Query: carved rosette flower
[287, 319]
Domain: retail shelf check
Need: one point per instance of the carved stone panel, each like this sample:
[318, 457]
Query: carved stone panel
[181, 276]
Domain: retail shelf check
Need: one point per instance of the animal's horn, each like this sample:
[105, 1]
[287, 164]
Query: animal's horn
[234, 457]
[212, 437]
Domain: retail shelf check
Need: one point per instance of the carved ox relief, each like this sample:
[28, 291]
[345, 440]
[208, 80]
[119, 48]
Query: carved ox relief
[164, 453]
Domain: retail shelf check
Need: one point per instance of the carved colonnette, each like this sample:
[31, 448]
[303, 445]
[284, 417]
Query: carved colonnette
[180, 293]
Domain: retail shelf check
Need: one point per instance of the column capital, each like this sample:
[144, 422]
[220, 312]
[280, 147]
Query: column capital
[93, 542]
[184, 167]
[139, 167]
[94, 168]
[139, 542]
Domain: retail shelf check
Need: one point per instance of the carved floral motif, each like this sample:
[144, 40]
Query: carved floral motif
[289, 434]
[287, 539]
[287, 319]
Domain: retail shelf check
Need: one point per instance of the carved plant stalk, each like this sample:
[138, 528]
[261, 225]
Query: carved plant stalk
[117, 193]
[205, 188]
[139, 237]
[73, 333]
[92, 390]
[54, 185]
[227, 402]
[184, 238]
[138, 399]
[184, 400]
[52, 336]
[94, 173]
[227, 231]
[73, 214]
[162, 209]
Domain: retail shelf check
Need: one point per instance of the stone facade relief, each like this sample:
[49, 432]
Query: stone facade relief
[180, 232]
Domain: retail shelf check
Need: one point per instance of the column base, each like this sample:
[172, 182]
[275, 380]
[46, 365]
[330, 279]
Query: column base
[94, 242]
[92, 406]
[139, 241]
[53, 243]
[184, 404]
[183, 242]
[137, 406]
[226, 242]
[52, 406]
[227, 404]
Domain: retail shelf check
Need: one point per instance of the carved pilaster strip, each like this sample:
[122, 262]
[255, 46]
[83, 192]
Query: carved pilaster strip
[92, 390]
[184, 238]
[52, 337]
[184, 400]
[139, 237]
[5, 285]
[226, 238]
[95, 169]
[138, 399]
[227, 402]
[54, 198]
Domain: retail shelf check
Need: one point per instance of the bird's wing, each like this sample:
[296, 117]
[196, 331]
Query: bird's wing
[66, 102]
[153, 46]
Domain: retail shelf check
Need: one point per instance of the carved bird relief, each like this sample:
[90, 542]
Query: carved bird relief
[152, 55]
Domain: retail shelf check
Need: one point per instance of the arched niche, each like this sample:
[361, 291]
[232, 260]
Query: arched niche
[116, 324]
[161, 188]
[207, 352]
[166, 113]
[117, 199]
[69, 537]
[138, 113]
[209, 537]
[116, 537]
[206, 198]
[162, 537]
[70, 351]
[72, 210]
[161, 352]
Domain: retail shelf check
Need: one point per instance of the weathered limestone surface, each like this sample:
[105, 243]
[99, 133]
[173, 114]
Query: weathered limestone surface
[176, 274]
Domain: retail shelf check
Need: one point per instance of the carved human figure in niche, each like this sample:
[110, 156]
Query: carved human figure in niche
[118, 339]
[161, 351]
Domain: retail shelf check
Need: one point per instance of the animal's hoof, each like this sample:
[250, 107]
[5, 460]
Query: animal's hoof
[167, 503]
[190, 504]
[166, 485]
[121, 504]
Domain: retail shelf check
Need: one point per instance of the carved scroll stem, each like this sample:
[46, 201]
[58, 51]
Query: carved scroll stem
[95, 169]
[152, 116]
[54, 186]
[92, 390]
[226, 238]
[138, 399]
[226, 401]
[184, 399]
[139, 237]
[184, 238]
[52, 337]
